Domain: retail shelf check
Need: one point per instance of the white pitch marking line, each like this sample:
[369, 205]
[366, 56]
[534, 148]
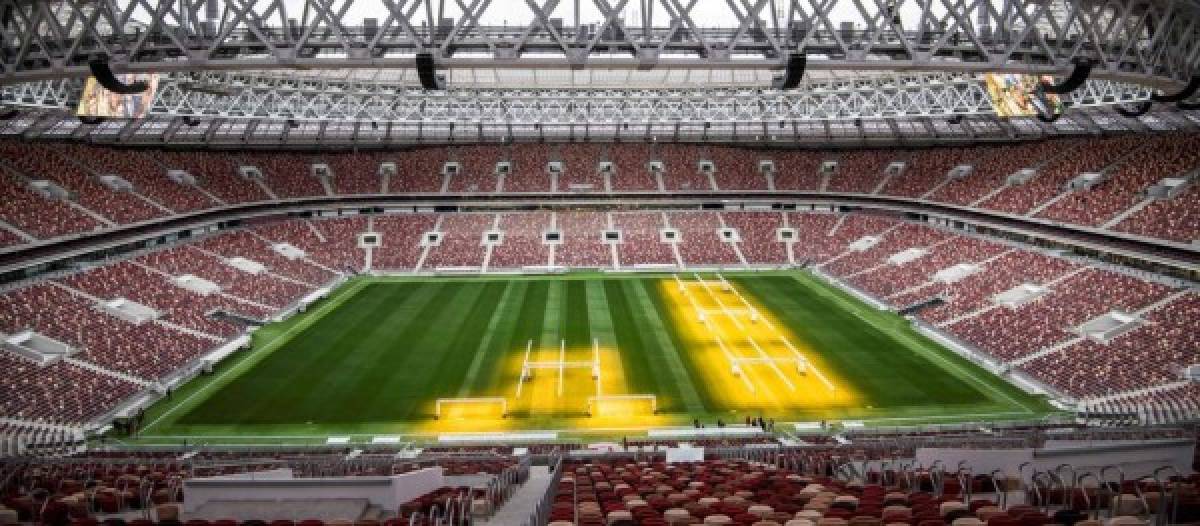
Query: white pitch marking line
[562, 359]
[524, 368]
[786, 342]
[750, 338]
[716, 335]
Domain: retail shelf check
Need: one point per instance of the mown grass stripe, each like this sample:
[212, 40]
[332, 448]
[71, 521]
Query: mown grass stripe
[551, 333]
[651, 323]
[494, 332]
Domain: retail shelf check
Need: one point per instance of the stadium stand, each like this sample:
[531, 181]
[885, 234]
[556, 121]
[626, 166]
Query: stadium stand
[41, 161]
[582, 240]
[288, 174]
[418, 171]
[175, 304]
[630, 162]
[529, 169]
[798, 170]
[736, 169]
[462, 241]
[640, 239]
[522, 244]
[148, 177]
[478, 169]
[862, 171]
[700, 243]
[681, 168]
[581, 168]
[60, 392]
[216, 173]
[401, 240]
[262, 288]
[356, 173]
[1155, 159]
[147, 350]
[1073, 158]
[1176, 219]
[1011, 334]
[759, 242]
[38, 216]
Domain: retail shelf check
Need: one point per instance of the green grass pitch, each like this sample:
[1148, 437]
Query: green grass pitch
[371, 358]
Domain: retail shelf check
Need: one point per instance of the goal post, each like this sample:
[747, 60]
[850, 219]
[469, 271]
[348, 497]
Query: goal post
[479, 407]
[622, 405]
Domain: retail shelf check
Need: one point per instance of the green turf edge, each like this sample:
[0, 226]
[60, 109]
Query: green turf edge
[264, 341]
[162, 415]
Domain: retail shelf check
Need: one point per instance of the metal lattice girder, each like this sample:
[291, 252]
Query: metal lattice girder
[1150, 42]
[882, 96]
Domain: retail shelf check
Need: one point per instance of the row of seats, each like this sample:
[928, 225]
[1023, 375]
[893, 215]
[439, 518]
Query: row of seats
[1132, 163]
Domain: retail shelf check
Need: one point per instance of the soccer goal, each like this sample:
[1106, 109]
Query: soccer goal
[484, 407]
[622, 405]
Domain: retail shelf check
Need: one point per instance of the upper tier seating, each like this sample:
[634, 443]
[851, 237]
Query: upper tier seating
[1175, 219]
[798, 170]
[288, 174]
[861, 171]
[148, 177]
[1157, 158]
[926, 169]
[418, 171]
[357, 173]
[681, 168]
[737, 169]
[632, 174]
[992, 171]
[522, 241]
[478, 173]
[37, 216]
[216, 173]
[1133, 163]
[528, 169]
[1074, 157]
[580, 168]
[43, 161]
[401, 240]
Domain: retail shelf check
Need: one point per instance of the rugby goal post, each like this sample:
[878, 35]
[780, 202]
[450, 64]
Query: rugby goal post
[471, 407]
[621, 404]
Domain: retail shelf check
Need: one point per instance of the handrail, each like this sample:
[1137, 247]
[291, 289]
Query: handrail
[1036, 484]
[1114, 494]
[1001, 496]
[1162, 501]
[1087, 499]
[1067, 491]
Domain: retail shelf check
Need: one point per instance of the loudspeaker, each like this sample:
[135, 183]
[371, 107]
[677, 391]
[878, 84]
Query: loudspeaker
[1183, 94]
[91, 120]
[8, 114]
[794, 72]
[1138, 110]
[105, 77]
[427, 72]
[1078, 76]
